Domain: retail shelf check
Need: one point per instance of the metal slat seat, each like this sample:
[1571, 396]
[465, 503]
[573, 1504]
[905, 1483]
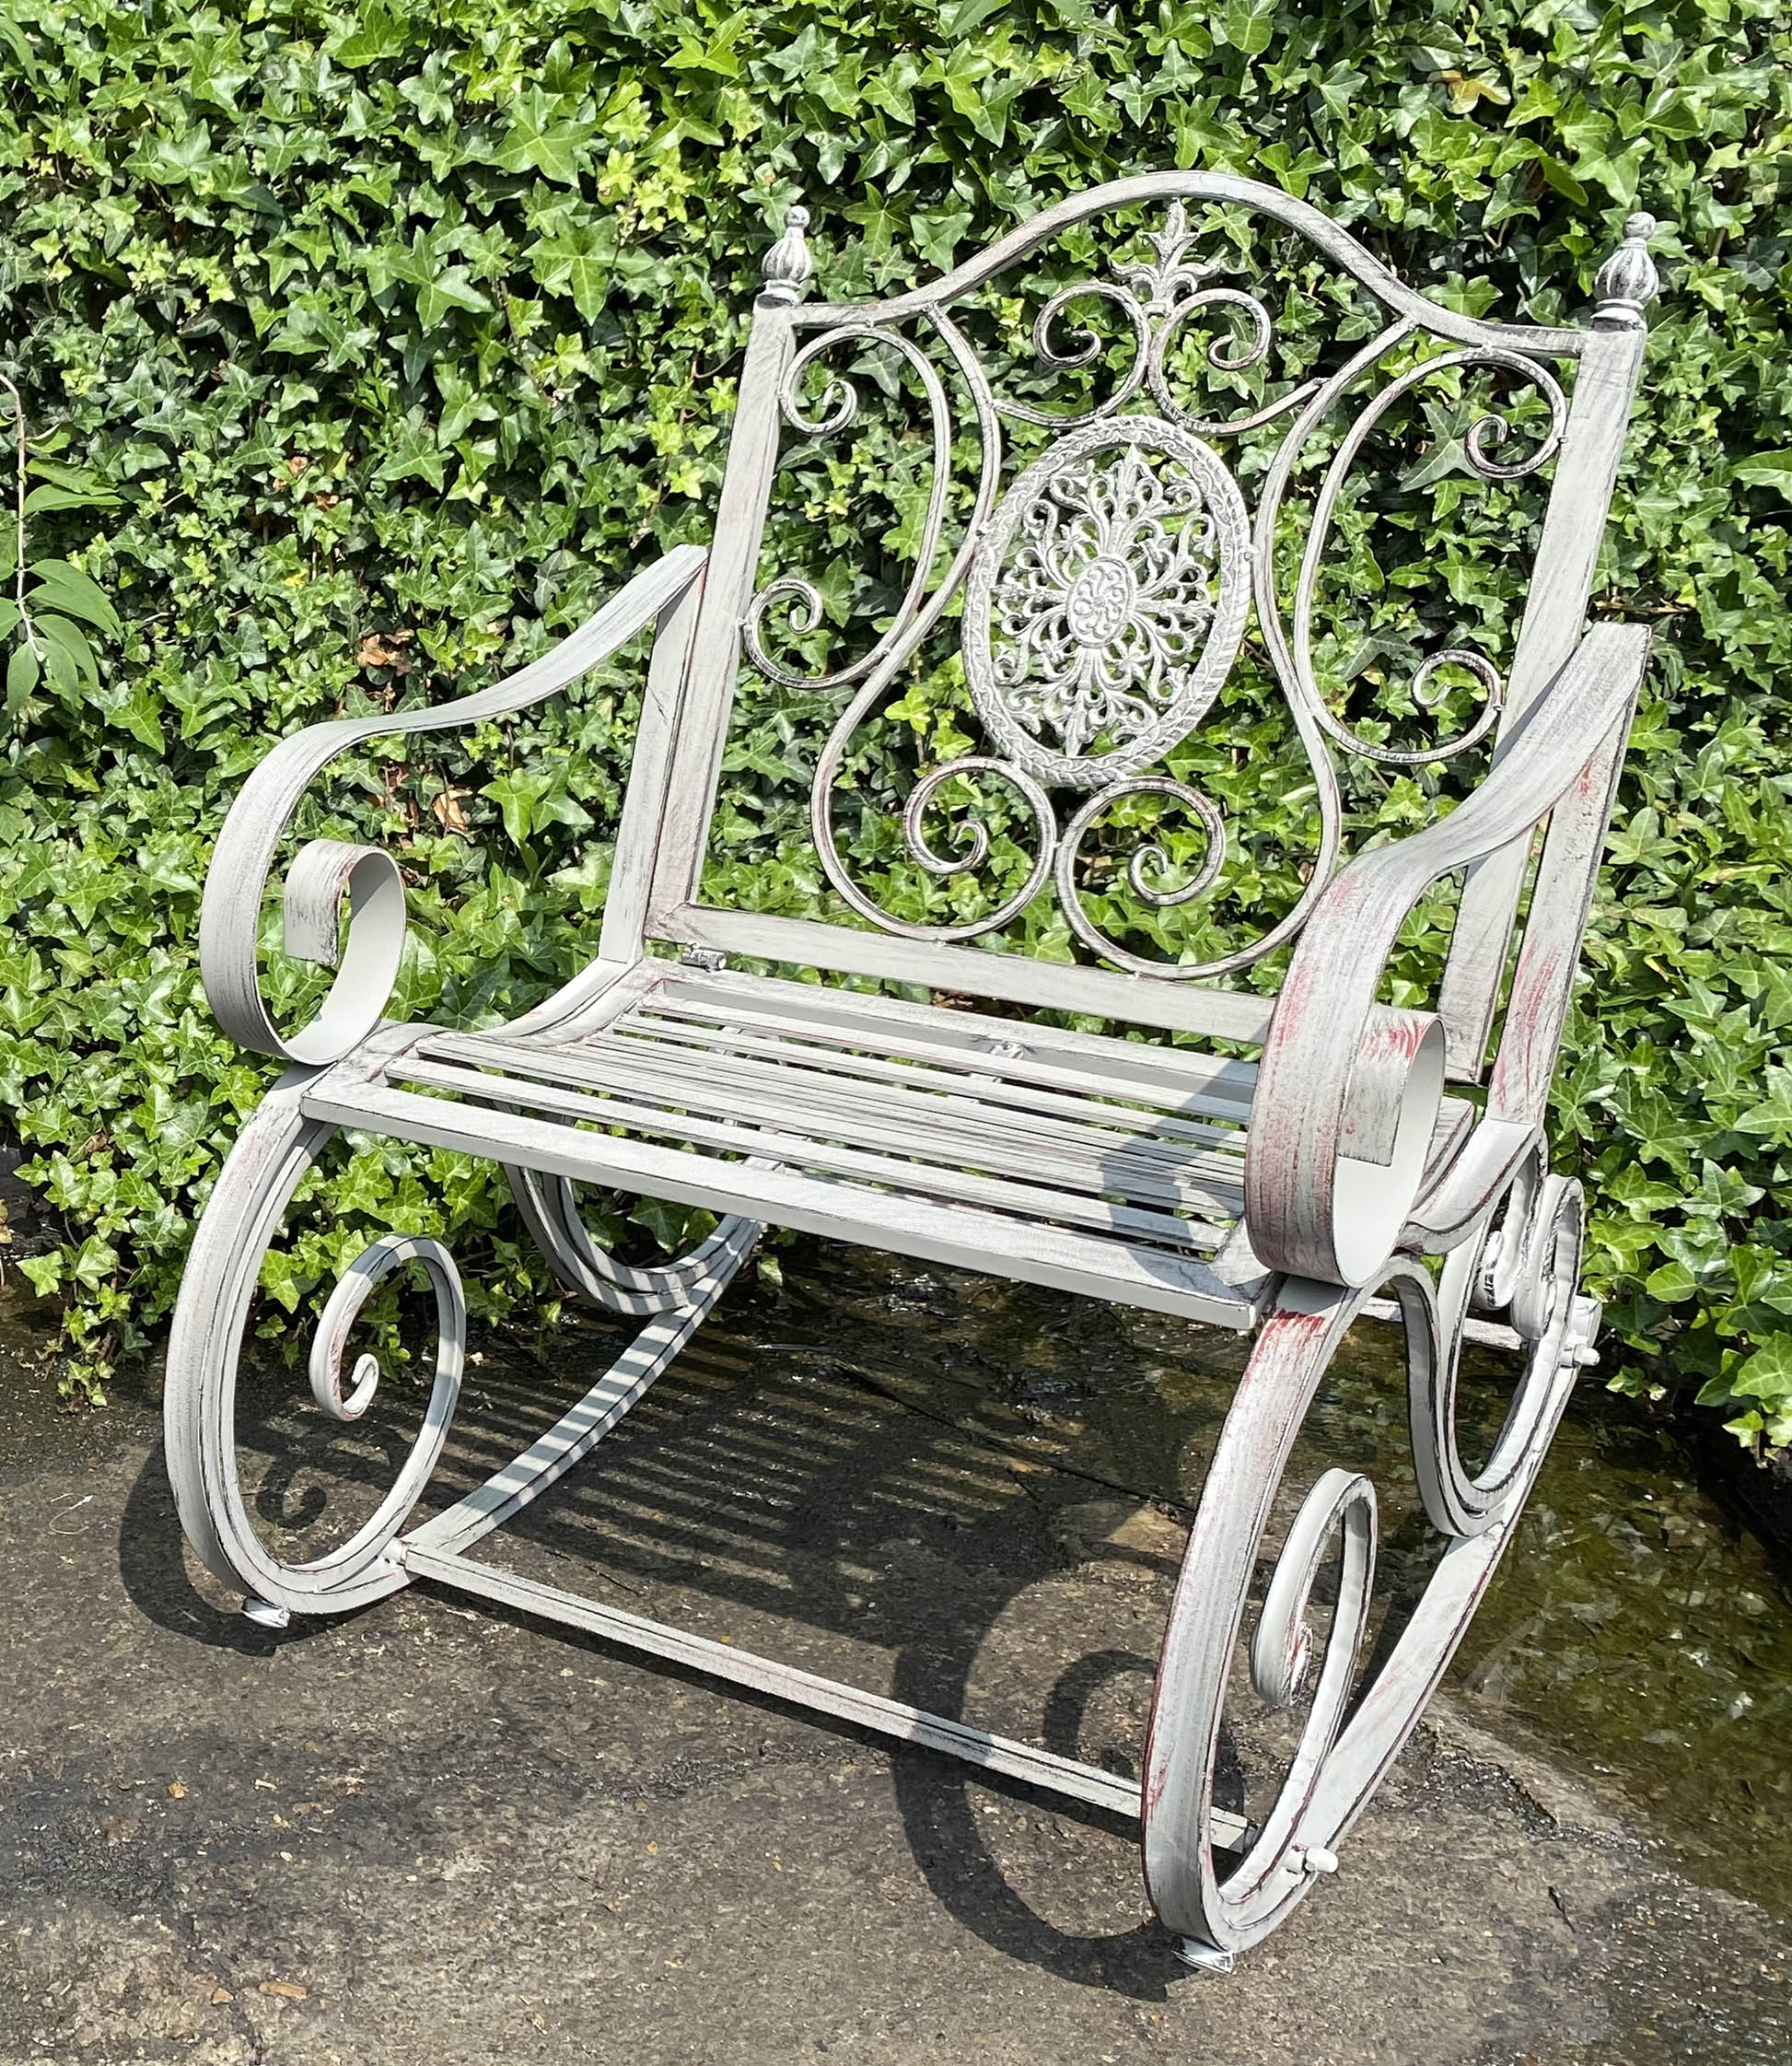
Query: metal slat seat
[916, 1120]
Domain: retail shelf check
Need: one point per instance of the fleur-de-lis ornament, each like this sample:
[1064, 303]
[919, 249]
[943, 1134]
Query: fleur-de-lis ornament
[1161, 287]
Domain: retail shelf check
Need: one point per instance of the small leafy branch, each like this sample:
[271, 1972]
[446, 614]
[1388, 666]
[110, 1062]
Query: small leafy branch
[51, 598]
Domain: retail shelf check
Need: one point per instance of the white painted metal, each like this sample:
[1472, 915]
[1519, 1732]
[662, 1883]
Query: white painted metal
[1127, 1164]
[230, 915]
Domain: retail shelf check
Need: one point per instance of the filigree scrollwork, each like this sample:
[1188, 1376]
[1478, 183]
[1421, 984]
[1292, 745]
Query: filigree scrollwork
[1112, 625]
[1082, 347]
[970, 836]
[1282, 1648]
[835, 409]
[1485, 432]
[1145, 862]
[1525, 1261]
[1156, 298]
[376, 1262]
[1105, 599]
[970, 839]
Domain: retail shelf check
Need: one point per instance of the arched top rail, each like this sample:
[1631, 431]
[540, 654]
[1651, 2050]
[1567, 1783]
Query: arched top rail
[1318, 229]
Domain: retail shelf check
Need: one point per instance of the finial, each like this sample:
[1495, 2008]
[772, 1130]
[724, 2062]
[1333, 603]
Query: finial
[1627, 282]
[787, 268]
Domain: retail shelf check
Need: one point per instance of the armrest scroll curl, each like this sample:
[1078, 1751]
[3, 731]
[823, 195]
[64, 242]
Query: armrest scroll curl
[328, 874]
[1348, 1088]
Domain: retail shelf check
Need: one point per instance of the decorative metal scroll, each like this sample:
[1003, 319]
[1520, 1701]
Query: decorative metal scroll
[1106, 592]
[1157, 299]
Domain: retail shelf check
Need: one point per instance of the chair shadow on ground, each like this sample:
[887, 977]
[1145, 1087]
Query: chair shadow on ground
[859, 1496]
[158, 1573]
[762, 1491]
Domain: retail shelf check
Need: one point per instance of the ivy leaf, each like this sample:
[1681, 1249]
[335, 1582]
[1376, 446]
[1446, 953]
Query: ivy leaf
[1772, 1115]
[1672, 1283]
[95, 1263]
[1558, 175]
[172, 160]
[44, 1273]
[716, 55]
[451, 289]
[66, 589]
[1767, 1374]
[578, 262]
[139, 713]
[938, 237]
[539, 140]
[379, 34]
[1249, 25]
[673, 1226]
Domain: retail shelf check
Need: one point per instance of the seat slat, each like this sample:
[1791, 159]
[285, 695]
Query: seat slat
[930, 1125]
[985, 1086]
[1098, 1065]
[567, 1100]
[1159, 1279]
[960, 1103]
[890, 1116]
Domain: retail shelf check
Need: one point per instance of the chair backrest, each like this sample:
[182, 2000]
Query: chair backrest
[1100, 647]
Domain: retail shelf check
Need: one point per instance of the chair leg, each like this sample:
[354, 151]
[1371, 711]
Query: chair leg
[276, 1149]
[199, 1414]
[1220, 1903]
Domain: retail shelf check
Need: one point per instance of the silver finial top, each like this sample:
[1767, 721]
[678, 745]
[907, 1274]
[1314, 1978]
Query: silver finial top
[1627, 282]
[788, 268]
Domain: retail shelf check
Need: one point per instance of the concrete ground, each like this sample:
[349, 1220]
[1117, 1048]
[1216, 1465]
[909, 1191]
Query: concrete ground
[426, 1836]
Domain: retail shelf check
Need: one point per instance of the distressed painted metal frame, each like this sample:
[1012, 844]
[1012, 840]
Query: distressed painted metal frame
[1289, 1196]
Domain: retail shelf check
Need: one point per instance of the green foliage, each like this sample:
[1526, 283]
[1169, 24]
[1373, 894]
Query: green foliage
[366, 350]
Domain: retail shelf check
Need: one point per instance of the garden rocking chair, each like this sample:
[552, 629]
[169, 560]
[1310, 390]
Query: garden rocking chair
[1088, 583]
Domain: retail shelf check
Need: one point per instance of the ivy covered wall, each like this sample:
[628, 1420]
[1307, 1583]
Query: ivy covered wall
[364, 352]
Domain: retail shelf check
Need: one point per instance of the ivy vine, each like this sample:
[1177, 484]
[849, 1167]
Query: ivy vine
[355, 354]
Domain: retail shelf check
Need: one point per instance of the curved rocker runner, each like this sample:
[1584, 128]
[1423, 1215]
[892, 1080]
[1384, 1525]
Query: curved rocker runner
[1374, 1157]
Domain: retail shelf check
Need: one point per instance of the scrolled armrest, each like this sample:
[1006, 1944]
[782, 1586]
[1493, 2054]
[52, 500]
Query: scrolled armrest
[1327, 1192]
[328, 872]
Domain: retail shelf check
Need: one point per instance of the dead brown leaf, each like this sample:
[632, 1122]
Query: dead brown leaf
[446, 807]
[1465, 91]
[384, 649]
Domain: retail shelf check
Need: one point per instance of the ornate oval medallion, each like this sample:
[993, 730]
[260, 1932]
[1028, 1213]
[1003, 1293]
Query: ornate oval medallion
[1107, 600]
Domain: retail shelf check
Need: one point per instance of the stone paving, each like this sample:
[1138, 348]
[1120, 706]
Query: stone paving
[424, 1836]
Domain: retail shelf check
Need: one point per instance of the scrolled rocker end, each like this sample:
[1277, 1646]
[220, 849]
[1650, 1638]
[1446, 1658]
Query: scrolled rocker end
[326, 874]
[1332, 1177]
